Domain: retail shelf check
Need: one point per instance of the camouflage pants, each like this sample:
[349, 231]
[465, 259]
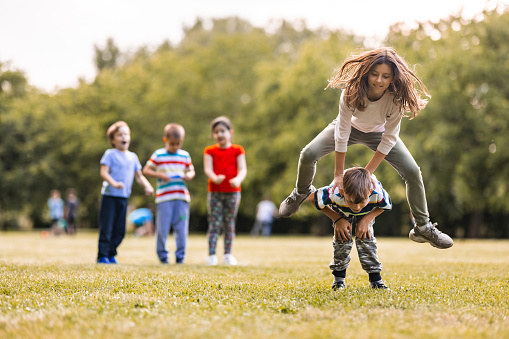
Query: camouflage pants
[366, 249]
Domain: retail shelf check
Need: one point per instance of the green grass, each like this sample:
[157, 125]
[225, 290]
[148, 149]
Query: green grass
[51, 288]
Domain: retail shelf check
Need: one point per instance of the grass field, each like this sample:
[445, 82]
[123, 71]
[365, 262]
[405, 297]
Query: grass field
[51, 288]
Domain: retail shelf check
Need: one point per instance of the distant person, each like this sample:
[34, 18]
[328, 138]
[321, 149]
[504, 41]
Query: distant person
[353, 209]
[143, 221]
[71, 206]
[265, 212]
[119, 167]
[173, 168]
[56, 211]
[378, 88]
[225, 167]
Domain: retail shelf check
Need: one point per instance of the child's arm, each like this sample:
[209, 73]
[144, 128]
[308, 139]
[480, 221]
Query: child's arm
[140, 179]
[105, 174]
[209, 170]
[377, 159]
[189, 174]
[242, 171]
[362, 228]
[339, 169]
[152, 172]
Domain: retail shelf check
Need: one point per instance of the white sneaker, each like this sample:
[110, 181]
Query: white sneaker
[212, 260]
[230, 260]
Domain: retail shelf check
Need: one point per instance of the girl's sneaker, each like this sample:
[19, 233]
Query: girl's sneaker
[212, 260]
[230, 260]
[292, 203]
[432, 235]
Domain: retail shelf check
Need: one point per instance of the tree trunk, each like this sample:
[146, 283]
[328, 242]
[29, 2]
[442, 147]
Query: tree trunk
[476, 220]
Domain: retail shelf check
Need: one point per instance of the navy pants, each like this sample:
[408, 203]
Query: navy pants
[112, 218]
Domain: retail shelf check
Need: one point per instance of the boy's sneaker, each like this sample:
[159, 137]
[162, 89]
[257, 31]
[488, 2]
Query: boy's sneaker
[432, 235]
[292, 203]
[379, 285]
[230, 260]
[113, 260]
[103, 260]
[338, 285]
[212, 260]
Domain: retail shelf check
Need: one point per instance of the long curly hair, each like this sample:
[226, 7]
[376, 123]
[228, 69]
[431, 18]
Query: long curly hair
[353, 73]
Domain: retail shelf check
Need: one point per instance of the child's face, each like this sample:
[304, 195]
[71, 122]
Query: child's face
[222, 135]
[379, 79]
[122, 139]
[172, 144]
[355, 207]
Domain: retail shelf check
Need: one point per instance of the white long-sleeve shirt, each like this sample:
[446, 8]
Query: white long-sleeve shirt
[379, 116]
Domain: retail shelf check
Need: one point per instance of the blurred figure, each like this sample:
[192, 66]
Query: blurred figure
[71, 206]
[56, 211]
[266, 211]
[143, 220]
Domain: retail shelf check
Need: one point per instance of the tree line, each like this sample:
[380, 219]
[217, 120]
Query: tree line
[271, 85]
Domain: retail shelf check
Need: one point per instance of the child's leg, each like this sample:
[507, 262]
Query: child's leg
[119, 225]
[402, 161]
[163, 224]
[367, 251]
[106, 220]
[230, 210]
[341, 256]
[319, 147]
[180, 228]
[215, 219]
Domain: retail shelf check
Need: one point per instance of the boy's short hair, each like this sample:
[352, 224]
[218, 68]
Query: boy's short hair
[357, 183]
[110, 133]
[174, 131]
[221, 120]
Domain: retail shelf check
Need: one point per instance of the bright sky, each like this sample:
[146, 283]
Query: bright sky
[52, 41]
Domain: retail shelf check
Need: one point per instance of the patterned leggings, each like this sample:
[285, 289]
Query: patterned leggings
[222, 213]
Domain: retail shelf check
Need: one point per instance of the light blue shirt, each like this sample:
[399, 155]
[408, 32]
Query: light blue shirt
[122, 167]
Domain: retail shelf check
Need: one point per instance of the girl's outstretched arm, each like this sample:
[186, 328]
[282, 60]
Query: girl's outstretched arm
[339, 169]
[377, 159]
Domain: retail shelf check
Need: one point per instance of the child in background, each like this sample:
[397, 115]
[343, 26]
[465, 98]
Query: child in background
[172, 167]
[225, 166]
[118, 168]
[56, 211]
[378, 88]
[356, 205]
[71, 207]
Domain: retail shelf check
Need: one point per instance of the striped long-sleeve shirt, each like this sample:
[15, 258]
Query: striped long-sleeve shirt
[378, 198]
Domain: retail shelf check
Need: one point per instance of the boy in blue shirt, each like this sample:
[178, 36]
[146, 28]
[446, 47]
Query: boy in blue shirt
[356, 206]
[118, 168]
[172, 167]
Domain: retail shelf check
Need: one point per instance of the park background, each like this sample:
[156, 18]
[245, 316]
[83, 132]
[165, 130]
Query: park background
[271, 83]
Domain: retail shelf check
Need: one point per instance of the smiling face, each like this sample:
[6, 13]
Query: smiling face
[222, 135]
[122, 139]
[379, 79]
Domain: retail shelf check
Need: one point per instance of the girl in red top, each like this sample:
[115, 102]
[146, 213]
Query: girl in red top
[225, 166]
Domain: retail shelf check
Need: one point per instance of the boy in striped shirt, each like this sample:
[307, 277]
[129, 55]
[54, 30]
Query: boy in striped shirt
[172, 167]
[356, 206]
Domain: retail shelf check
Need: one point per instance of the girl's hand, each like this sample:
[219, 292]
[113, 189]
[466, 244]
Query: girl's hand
[118, 184]
[362, 229]
[338, 183]
[218, 179]
[342, 229]
[235, 182]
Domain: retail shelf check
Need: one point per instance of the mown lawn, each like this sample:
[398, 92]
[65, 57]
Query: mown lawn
[51, 288]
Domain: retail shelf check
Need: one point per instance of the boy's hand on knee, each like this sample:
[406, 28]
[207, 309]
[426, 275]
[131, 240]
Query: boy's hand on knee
[362, 229]
[342, 230]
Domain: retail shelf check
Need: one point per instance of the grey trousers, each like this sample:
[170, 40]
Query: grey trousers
[366, 249]
[399, 158]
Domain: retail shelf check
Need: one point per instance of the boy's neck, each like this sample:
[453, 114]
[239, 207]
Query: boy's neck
[122, 150]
